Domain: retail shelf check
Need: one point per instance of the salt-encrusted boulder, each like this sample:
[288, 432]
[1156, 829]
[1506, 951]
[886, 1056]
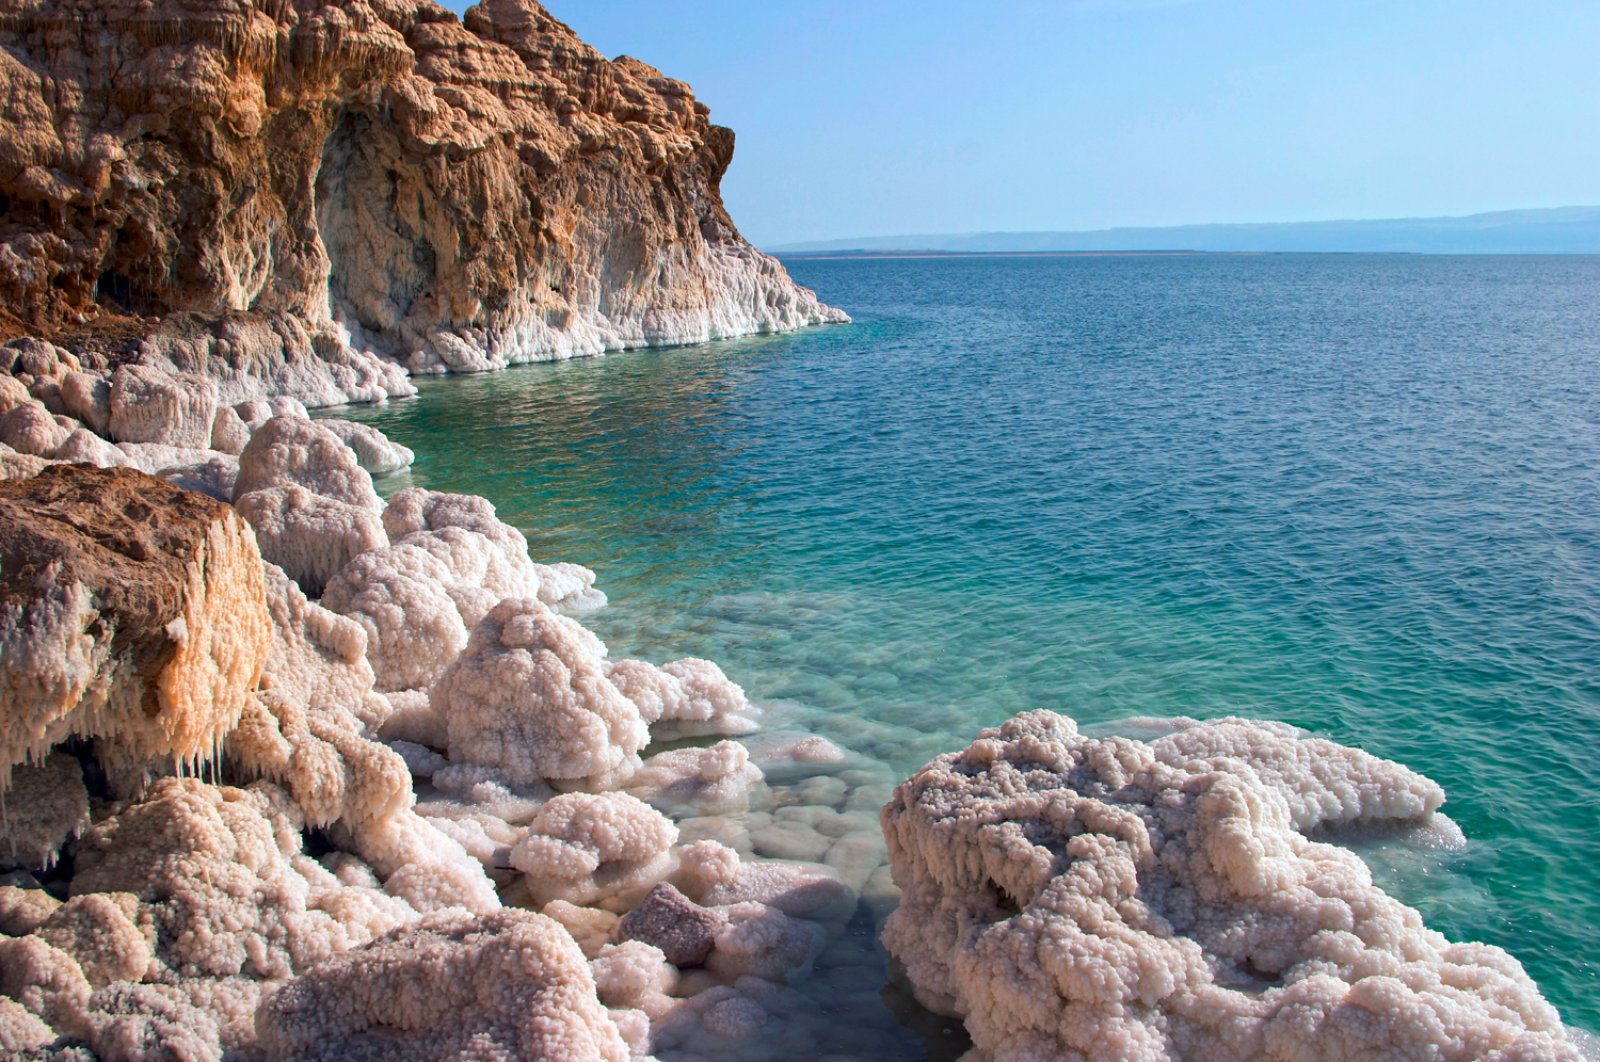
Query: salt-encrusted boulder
[375, 452]
[529, 697]
[507, 985]
[401, 597]
[310, 536]
[29, 428]
[684, 698]
[84, 447]
[1085, 899]
[99, 930]
[290, 451]
[595, 849]
[87, 397]
[234, 905]
[712, 874]
[702, 781]
[130, 612]
[148, 404]
[229, 433]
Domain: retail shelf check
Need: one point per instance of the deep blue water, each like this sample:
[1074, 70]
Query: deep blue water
[1357, 493]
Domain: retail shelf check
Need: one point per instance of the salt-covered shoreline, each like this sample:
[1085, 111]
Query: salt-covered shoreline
[371, 764]
[441, 771]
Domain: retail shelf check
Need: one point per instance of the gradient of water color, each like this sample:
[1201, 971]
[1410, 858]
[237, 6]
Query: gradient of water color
[1357, 493]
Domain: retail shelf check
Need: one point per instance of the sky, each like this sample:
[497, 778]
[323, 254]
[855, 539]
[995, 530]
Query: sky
[880, 117]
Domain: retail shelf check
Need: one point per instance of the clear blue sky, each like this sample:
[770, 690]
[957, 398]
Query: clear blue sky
[873, 117]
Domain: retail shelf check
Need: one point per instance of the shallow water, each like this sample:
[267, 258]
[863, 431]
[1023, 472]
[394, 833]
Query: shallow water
[1357, 493]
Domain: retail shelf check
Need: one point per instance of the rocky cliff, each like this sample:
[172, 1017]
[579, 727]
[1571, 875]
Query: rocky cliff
[276, 191]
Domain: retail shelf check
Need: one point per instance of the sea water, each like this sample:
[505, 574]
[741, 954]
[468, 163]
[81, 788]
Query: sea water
[1357, 493]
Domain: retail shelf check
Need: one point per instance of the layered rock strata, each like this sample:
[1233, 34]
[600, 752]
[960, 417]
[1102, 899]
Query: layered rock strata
[300, 197]
[1092, 899]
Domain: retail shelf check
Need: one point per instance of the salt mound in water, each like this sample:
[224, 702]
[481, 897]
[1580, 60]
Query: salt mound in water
[1076, 898]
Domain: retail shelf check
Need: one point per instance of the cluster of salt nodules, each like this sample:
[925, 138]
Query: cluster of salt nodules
[283, 760]
[1075, 898]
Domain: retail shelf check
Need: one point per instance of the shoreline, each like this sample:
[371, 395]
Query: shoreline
[471, 779]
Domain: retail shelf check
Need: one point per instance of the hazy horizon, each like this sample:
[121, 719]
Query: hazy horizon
[1092, 114]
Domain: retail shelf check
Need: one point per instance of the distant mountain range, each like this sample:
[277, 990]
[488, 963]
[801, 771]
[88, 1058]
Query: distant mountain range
[1561, 230]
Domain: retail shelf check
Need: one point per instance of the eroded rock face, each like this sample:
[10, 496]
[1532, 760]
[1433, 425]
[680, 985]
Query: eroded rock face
[458, 194]
[129, 610]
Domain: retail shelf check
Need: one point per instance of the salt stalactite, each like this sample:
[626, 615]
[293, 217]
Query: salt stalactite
[1084, 899]
[145, 622]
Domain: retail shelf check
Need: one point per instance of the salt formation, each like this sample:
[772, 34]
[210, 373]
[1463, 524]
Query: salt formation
[133, 612]
[595, 849]
[529, 697]
[507, 985]
[1087, 899]
[45, 807]
[309, 499]
[684, 698]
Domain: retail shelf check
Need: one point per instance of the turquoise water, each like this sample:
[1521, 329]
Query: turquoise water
[1357, 493]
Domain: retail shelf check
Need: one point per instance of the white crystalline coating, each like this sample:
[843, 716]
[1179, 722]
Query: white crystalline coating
[400, 597]
[591, 927]
[157, 457]
[24, 910]
[415, 509]
[84, 447]
[47, 982]
[13, 392]
[600, 849]
[529, 696]
[289, 451]
[100, 932]
[376, 453]
[705, 781]
[1326, 785]
[761, 941]
[482, 572]
[510, 985]
[152, 1023]
[412, 718]
[634, 975]
[1083, 899]
[19, 466]
[569, 588]
[29, 428]
[229, 433]
[46, 806]
[688, 697]
[21, 1029]
[712, 874]
[218, 871]
[150, 405]
[310, 536]
[317, 658]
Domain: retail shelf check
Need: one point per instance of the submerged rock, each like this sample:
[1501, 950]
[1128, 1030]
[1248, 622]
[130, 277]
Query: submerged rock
[1086, 899]
[681, 928]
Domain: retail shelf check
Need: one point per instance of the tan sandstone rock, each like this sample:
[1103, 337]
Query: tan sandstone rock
[224, 185]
